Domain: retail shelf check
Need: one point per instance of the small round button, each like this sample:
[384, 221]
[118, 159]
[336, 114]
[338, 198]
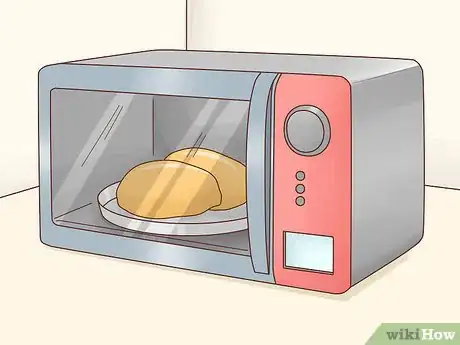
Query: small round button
[300, 188]
[300, 201]
[307, 130]
[300, 175]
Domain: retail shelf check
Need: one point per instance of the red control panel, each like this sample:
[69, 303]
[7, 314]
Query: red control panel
[312, 182]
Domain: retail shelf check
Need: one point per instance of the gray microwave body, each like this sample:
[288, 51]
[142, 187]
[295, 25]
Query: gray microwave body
[387, 94]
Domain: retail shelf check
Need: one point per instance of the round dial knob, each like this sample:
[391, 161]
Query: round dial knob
[307, 130]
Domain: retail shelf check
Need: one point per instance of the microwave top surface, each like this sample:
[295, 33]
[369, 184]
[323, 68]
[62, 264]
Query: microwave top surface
[353, 68]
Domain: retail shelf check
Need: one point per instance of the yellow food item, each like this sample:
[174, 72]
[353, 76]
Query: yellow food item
[229, 173]
[165, 189]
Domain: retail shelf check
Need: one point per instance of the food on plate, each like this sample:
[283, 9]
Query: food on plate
[166, 189]
[229, 173]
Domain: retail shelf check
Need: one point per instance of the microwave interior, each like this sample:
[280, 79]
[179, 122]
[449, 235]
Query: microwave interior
[97, 137]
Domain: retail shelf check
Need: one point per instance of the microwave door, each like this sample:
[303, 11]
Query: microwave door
[99, 122]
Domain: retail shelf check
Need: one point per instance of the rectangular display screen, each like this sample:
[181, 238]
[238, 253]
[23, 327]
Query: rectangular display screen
[309, 252]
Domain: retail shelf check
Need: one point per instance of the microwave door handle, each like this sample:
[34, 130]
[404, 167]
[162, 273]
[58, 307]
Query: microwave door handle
[259, 234]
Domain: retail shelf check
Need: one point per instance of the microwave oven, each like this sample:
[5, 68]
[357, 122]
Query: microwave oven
[304, 171]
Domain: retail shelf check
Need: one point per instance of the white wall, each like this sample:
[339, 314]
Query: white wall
[424, 30]
[33, 34]
[36, 33]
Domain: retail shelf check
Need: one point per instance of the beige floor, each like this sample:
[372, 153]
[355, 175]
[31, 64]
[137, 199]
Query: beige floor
[53, 296]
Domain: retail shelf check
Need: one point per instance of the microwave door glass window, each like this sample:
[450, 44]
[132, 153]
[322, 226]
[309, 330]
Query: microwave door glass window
[160, 168]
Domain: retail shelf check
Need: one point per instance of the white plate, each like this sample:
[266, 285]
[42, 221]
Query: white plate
[207, 223]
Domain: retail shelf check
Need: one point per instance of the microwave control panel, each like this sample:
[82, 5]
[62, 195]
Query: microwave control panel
[312, 182]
